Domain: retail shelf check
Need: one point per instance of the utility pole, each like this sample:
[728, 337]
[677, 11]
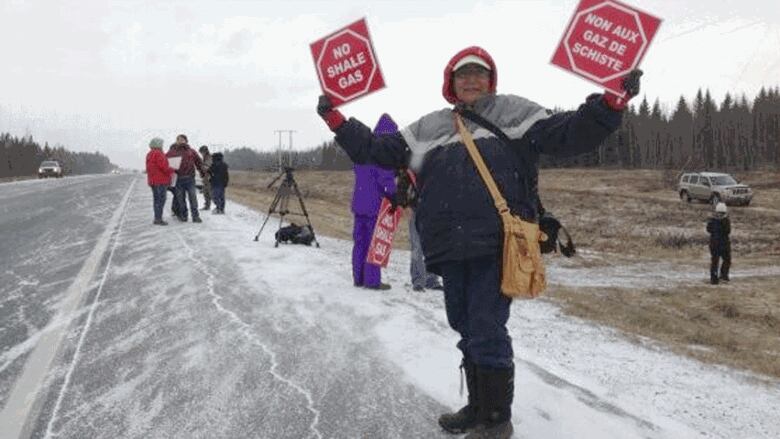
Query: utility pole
[279, 148]
[289, 155]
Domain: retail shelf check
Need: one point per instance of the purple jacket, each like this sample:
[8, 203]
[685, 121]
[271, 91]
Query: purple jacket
[372, 183]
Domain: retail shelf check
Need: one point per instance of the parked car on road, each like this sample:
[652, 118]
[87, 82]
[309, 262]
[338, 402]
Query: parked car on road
[49, 168]
[713, 187]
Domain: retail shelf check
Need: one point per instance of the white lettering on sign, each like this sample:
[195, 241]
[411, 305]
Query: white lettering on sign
[351, 63]
[351, 79]
[599, 22]
[618, 48]
[380, 249]
[348, 67]
[383, 234]
[595, 38]
[626, 34]
[341, 51]
[387, 221]
[597, 56]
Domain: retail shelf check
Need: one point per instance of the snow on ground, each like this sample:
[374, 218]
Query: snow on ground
[574, 379]
[197, 331]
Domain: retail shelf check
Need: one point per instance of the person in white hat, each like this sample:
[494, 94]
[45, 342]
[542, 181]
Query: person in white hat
[719, 228]
[460, 230]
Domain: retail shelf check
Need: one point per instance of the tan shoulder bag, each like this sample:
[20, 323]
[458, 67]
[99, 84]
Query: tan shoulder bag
[522, 268]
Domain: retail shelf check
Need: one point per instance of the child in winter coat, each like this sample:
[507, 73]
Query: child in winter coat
[719, 228]
[158, 176]
[219, 177]
[372, 183]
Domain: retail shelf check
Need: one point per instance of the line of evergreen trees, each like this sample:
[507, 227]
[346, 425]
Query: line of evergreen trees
[21, 157]
[735, 135]
[326, 156]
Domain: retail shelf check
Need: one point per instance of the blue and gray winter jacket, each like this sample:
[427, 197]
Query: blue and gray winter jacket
[456, 216]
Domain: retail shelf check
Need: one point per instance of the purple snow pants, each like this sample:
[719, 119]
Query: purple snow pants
[364, 274]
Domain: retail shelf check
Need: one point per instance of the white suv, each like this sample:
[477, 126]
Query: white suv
[49, 168]
[713, 187]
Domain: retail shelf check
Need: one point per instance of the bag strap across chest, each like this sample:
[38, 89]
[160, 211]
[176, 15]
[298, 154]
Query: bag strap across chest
[484, 172]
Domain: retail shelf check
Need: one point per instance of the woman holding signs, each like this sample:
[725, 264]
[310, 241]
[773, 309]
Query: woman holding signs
[459, 226]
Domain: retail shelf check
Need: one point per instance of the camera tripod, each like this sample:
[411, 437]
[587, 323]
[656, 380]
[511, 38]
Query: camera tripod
[282, 200]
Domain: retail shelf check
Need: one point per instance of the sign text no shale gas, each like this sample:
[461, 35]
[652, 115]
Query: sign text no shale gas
[605, 40]
[346, 64]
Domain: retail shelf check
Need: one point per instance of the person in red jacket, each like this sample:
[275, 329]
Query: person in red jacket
[158, 176]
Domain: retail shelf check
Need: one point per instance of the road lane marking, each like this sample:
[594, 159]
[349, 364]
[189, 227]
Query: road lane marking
[16, 415]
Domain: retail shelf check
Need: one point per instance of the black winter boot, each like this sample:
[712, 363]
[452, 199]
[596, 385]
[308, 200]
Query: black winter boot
[464, 419]
[495, 391]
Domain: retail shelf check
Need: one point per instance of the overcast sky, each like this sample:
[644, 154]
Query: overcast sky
[109, 75]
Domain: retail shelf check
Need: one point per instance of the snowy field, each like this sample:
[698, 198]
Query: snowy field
[197, 331]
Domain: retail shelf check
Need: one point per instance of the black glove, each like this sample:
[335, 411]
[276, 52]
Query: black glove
[324, 106]
[630, 84]
[550, 226]
[331, 116]
[393, 203]
[398, 199]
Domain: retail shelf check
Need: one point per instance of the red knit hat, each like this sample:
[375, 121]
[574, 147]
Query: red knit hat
[447, 91]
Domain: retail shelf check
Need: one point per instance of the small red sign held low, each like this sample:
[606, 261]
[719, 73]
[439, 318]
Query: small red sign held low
[605, 40]
[346, 64]
[384, 232]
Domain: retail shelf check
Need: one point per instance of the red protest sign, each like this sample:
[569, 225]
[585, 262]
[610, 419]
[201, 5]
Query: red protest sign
[384, 231]
[346, 64]
[605, 40]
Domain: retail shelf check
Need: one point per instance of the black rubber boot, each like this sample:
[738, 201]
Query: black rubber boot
[495, 391]
[464, 419]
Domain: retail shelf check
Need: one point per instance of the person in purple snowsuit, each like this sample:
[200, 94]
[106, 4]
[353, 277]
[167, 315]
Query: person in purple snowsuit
[372, 183]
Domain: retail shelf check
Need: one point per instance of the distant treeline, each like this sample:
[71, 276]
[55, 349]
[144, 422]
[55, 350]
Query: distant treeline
[22, 156]
[736, 135]
[326, 156]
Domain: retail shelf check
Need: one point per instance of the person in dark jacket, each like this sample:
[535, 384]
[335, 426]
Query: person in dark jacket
[460, 229]
[206, 159]
[719, 228]
[219, 178]
[185, 181]
[372, 183]
[422, 279]
[158, 176]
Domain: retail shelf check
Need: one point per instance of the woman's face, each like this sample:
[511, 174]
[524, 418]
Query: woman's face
[470, 83]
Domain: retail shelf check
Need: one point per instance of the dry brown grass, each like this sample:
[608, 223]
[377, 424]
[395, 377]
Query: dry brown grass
[636, 215]
[737, 325]
[631, 216]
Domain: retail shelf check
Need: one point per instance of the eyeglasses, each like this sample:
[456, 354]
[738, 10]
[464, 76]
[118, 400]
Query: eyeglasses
[472, 70]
